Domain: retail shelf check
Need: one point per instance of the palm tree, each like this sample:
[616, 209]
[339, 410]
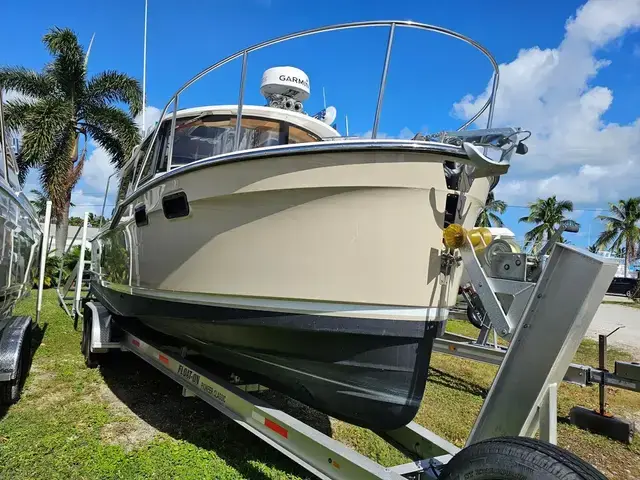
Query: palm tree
[39, 202]
[488, 215]
[622, 230]
[593, 248]
[548, 214]
[61, 108]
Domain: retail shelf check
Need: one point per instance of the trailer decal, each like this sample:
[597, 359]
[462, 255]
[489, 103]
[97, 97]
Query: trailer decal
[189, 374]
[270, 424]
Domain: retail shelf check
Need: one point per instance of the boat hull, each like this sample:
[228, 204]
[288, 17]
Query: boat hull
[369, 372]
[321, 272]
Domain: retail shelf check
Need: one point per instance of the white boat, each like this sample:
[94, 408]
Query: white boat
[260, 237]
[20, 232]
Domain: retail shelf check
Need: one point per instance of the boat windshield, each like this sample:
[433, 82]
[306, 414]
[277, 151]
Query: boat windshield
[204, 137]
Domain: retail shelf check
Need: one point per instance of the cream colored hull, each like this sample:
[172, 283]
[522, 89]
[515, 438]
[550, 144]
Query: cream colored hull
[357, 228]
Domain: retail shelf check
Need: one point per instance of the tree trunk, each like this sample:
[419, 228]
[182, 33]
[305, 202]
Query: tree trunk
[62, 229]
[627, 253]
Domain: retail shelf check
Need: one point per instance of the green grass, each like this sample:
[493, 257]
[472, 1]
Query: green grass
[634, 304]
[126, 420]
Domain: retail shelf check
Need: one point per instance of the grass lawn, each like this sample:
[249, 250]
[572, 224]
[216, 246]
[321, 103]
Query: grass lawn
[126, 420]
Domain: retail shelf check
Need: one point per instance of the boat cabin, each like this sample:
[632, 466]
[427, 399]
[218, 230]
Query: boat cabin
[206, 132]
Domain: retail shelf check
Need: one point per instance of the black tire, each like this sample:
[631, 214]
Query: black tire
[10, 391]
[90, 359]
[474, 316]
[521, 458]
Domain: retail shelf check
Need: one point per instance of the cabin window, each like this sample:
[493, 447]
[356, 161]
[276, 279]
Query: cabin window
[12, 171]
[207, 136]
[125, 180]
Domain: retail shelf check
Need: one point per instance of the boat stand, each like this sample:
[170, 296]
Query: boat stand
[545, 329]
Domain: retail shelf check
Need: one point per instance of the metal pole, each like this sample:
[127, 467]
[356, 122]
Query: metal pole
[173, 134]
[104, 202]
[383, 81]
[76, 300]
[3, 140]
[346, 123]
[243, 75]
[494, 92]
[43, 258]
[602, 365]
[144, 71]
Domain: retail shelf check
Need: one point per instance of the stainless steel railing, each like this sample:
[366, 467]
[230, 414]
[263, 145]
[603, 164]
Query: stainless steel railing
[392, 24]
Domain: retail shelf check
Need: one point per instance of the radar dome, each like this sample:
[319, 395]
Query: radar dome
[290, 82]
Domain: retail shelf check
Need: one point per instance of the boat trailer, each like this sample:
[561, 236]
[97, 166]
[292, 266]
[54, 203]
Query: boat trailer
[544, 321]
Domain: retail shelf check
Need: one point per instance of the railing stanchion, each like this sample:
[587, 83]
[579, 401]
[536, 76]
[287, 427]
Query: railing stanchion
[383, 82]
[172, 136]
[43, 258]
[75, 308]
[243, 76]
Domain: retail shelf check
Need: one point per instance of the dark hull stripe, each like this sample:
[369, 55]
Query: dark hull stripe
[360, 374]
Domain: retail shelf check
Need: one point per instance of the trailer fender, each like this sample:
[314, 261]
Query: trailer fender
[11, 340]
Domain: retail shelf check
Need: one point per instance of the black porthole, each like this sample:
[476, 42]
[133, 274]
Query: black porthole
[175, 205]
[140, 216]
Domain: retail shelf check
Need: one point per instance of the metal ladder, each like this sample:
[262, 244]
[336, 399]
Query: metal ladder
[76, 279]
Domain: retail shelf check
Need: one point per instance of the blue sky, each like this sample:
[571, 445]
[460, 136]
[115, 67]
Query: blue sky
[570, 74]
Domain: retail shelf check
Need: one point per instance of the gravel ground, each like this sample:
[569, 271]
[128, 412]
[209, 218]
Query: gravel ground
[609, 317]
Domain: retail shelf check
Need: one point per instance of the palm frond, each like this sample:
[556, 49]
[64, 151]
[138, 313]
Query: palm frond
[43, 126]
[495, 219]
[68, 65]
[110, 143]
[16, 113]
[27, 82]
[116, 122]
[565, 205]
[111, 86]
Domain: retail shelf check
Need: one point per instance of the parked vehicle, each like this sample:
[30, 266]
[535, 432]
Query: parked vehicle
[623, 286]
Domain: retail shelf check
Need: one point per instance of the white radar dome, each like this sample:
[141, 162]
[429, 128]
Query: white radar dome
[287, 81]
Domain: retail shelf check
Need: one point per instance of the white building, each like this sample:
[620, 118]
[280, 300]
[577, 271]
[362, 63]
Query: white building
[72, 238]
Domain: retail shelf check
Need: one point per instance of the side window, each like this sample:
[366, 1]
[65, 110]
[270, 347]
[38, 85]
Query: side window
[12, 171]
[146, 167]
[150, 166]
[125, 181]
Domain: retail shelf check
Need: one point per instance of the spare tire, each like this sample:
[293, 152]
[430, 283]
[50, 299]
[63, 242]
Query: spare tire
[517, 458]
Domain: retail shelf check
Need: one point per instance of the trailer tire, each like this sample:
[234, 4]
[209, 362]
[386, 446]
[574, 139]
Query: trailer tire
[10, 390]
[90, 359]
[474, 316]
[521, 458]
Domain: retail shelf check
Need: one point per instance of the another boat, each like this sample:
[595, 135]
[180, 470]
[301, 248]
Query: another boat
[263, 239]
[19, 228]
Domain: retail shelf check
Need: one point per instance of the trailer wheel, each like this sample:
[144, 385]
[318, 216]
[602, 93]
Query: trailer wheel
[521, 458]
[474, 316]
[90, 359]
[10, 390]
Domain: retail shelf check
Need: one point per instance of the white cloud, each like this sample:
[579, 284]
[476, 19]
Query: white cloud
[404, 134]
[87, 203]
[573, 152]
[152, 115]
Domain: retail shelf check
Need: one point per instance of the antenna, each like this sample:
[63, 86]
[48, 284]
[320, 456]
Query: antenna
[86, 57]
[324, 98]
[144, 70]
[346, 123]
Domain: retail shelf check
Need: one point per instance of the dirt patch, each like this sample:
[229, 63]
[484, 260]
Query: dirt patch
[129, 435]
[130, 431]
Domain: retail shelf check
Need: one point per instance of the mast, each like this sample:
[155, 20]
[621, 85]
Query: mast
[144, 71]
